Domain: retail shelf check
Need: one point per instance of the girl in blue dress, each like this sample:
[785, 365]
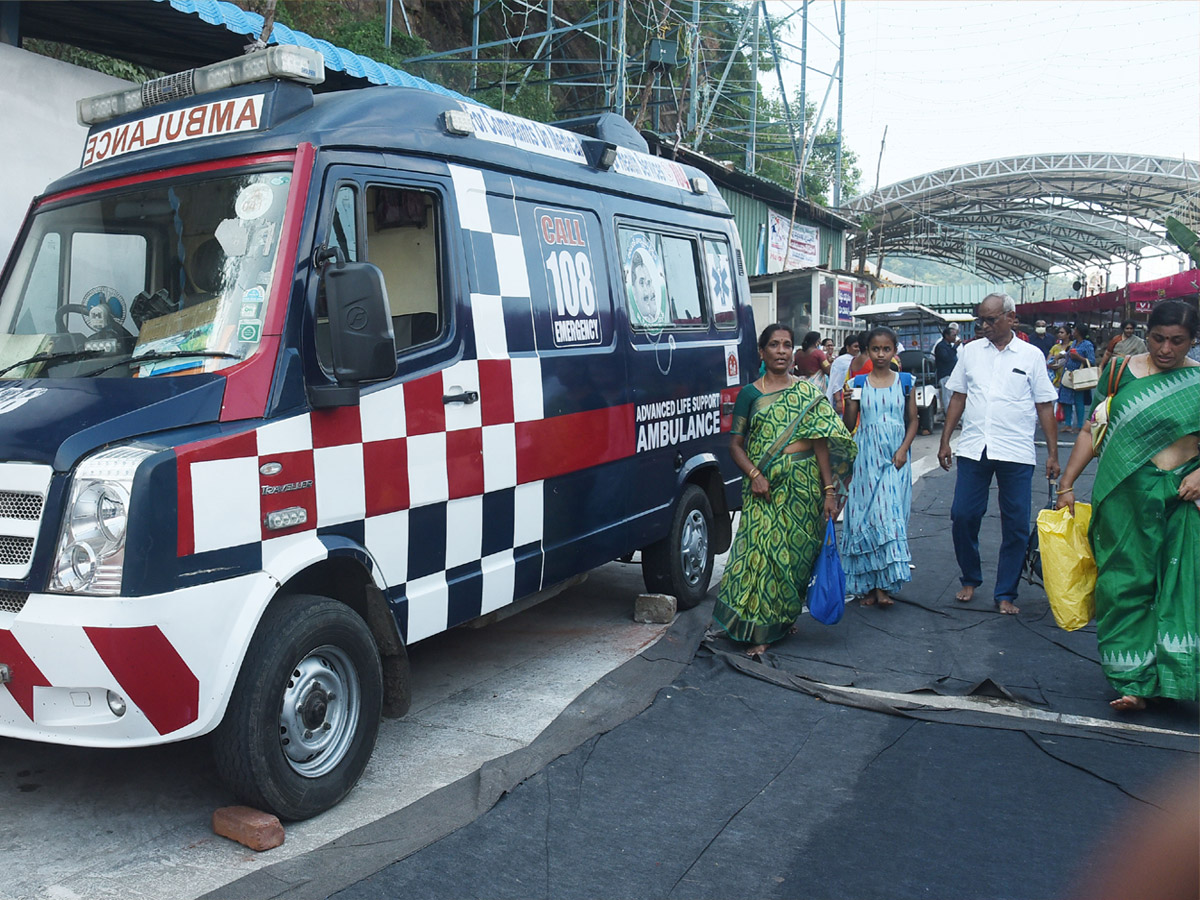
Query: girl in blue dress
[874, 545]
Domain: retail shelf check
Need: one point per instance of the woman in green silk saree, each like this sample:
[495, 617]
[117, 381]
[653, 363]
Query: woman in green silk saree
[1145, 530]
[792, 448]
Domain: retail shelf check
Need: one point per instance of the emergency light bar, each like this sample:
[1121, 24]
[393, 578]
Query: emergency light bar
[293, 63]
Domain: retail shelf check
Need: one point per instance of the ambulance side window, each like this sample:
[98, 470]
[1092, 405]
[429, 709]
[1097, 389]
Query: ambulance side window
[344, 230]
[402, 239]
[719, 274]
[662, 280]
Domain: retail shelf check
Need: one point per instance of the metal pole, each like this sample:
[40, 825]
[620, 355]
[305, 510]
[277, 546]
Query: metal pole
[621, 59]
[474, 45]
[550, 48]
[693, 85]
[387, 23]
[837, 183]
[712, 104]
[750, 138]
[803, 91]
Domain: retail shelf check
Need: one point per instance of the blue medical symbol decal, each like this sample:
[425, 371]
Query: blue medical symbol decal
[722, 290]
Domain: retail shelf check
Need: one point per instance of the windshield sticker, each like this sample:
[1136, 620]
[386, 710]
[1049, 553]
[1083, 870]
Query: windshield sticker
[253, 201]
[570, 277]
[249, 331]
[205, 120]
[105, 306]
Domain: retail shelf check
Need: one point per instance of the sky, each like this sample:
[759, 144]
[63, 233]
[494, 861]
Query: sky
[959, 82]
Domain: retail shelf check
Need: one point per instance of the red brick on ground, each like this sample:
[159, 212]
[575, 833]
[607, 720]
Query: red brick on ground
[253, 827]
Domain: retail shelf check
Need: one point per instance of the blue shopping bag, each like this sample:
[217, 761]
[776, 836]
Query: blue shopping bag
[827, 590]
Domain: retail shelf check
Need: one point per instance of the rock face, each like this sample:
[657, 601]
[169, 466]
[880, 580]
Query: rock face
[654, 609]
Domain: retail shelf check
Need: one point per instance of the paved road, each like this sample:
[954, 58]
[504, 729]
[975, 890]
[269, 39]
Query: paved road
[86, 823]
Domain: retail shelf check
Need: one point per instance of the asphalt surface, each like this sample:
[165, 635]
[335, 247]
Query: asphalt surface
[935, 749]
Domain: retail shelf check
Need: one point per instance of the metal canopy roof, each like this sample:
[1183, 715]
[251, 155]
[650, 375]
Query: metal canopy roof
[1013, 217]
[174, 35]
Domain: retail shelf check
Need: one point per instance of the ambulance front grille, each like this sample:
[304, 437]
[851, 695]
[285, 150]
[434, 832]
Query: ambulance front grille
[20, 505]
[15, 551]
[12, 601]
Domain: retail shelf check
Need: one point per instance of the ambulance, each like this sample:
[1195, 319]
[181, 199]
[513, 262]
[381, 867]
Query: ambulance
[290, 381]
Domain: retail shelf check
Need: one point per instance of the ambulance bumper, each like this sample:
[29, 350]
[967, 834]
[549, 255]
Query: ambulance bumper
[126, 672]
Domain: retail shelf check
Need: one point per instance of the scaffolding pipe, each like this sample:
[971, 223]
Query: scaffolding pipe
[837, 181]
[750, 137]
[621, 5]
[724, 75]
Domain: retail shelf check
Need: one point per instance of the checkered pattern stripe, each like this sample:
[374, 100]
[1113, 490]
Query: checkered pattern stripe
[449, 511]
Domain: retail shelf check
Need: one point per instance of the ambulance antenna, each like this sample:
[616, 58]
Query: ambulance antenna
[260, 43]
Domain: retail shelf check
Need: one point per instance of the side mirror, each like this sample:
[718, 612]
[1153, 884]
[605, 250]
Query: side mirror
[361, 344]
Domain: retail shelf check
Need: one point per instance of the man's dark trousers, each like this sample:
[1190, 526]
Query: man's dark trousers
[970, 504]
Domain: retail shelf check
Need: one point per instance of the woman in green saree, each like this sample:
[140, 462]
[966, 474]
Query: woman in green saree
[1145, 530]
[792, 448]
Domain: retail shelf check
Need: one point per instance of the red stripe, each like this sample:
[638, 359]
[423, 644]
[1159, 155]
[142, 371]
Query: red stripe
[151, 672]
[25, 673]
[215, 165]
[248, 384]
[549, 447]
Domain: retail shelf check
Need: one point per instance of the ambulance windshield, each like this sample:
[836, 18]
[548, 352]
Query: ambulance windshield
[171, 277]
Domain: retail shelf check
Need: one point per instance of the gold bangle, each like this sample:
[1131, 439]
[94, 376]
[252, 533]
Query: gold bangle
[754, 473]
[1069, 490]
[830, 487]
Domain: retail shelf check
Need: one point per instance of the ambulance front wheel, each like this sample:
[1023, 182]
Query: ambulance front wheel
[681, 563]
[302, 721]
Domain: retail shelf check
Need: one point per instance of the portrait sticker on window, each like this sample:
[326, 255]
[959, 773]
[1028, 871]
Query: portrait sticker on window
[645, 286]
[570, 277]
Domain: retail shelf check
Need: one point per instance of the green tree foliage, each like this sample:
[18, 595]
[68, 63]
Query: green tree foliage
[88, 59]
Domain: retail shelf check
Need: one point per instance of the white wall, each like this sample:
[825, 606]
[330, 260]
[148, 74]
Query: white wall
[42, 138]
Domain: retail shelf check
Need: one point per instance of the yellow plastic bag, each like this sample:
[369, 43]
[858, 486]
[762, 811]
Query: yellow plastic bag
[1068, 567]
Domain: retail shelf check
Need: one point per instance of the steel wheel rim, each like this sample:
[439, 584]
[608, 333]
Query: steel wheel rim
[321, 706]
[693, 547]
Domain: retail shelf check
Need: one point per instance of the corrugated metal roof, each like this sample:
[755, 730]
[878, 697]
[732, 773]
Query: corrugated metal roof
[250, 24]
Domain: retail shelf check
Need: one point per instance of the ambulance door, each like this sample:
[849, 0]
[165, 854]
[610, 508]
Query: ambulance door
[580, 450]
[409, 474]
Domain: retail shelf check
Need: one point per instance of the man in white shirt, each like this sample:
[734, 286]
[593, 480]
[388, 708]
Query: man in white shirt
[1002, 385]
[839, 371]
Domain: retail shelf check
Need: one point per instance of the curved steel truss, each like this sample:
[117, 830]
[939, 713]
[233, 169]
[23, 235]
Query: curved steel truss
[1013, 217]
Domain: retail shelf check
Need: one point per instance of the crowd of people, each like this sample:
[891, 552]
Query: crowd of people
[817, 437]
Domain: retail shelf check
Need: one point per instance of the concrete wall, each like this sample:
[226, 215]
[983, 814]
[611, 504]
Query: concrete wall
[42, 138]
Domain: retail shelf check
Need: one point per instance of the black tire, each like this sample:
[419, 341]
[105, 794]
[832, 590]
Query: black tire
[682, 563]
[302, 721]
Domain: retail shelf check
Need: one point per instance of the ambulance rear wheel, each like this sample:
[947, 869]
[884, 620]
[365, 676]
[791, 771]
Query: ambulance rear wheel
[681, 563]
[302, 721]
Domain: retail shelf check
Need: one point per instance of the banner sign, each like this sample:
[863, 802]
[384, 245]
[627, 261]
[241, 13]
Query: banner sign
[845, 300]
[805, 249]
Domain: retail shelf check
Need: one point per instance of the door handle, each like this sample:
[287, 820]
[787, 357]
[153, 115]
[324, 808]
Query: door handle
[461, 397]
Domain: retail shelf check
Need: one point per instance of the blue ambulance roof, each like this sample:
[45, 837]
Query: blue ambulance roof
[381, 118]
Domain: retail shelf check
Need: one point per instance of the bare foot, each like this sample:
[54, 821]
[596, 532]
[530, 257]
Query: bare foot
[1128, 703]
[1008, 609]
[883, 599]
[867, 599]
[757, 650]
[965, 593]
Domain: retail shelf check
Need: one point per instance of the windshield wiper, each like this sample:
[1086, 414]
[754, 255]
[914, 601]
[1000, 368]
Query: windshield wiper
[163, 354]
[60, 357]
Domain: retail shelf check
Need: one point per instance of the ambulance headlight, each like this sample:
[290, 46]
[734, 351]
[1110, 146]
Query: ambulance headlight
[91, 543]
